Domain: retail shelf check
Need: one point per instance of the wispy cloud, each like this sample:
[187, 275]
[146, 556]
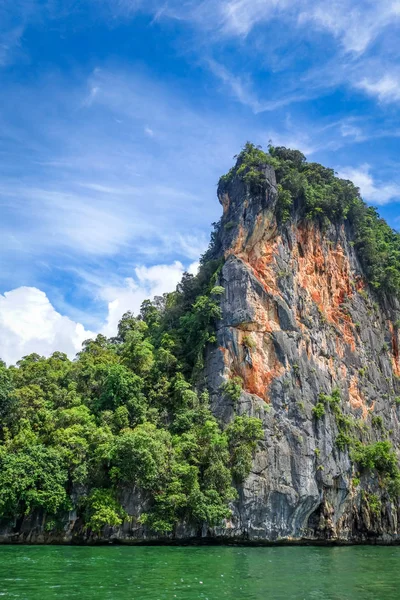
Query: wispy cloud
[79, 189]
[349, 129]
[386, 88]
[100, 189]
[238, 17]
[356, 25]
[376, 192]
[242, 91]
[350, 31]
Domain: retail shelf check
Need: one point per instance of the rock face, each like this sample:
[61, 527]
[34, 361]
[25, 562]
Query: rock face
[298, 320]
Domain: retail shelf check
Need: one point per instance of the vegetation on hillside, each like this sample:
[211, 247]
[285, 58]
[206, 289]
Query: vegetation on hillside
[127, 413]
[317, 194]
[379, 456]
[124, 415]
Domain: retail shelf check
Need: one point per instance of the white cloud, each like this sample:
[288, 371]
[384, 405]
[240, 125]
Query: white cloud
[29, 323]
[385, 88]
[241, 90]
[90, 98]
[372, 191]
[78, 220]
[148, 282]
[356, 25]
[91, 188]
[298, 140]
[238, 17]
[237, 87]
[349, 130]
[192, 246]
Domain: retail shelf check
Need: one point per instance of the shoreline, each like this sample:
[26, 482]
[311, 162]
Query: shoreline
[194, 542]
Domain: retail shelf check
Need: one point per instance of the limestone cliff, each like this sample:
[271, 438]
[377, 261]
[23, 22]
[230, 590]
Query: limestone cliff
[298, 323]
[316, 351]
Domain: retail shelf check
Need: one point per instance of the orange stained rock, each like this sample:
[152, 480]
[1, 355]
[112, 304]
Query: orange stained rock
[262, 268]
[261, 258]
[339, 347]
[258, 251]
[304, 347]
[360, 284]
[237, 246]
[266, 316]
[259, 369]
[324, 272]
[257, 380]
[357, 400]
[225, 355]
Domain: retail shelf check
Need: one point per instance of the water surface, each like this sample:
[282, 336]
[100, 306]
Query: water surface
[192, 573]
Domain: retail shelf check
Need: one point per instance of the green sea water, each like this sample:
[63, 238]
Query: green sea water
[194, 573]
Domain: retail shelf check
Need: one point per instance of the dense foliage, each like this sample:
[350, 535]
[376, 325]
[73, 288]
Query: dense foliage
[317, 194]
[125, 415]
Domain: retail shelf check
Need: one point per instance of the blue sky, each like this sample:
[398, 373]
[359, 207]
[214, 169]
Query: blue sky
[117, 118]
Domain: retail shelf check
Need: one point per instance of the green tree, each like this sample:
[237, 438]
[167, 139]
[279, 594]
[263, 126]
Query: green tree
[32, 477]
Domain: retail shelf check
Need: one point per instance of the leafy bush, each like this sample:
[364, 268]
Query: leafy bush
[243, 435]
[374, 503]
[343, 440]
[31, 476]
[249, 342]
[141, 456]
[232, 388]
[318, 410]
[101, 509]
[249, 168]
[379, 456]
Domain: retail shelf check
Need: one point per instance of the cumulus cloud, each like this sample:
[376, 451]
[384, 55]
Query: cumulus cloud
[371, 190]
[148, 282]
[30, 323]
